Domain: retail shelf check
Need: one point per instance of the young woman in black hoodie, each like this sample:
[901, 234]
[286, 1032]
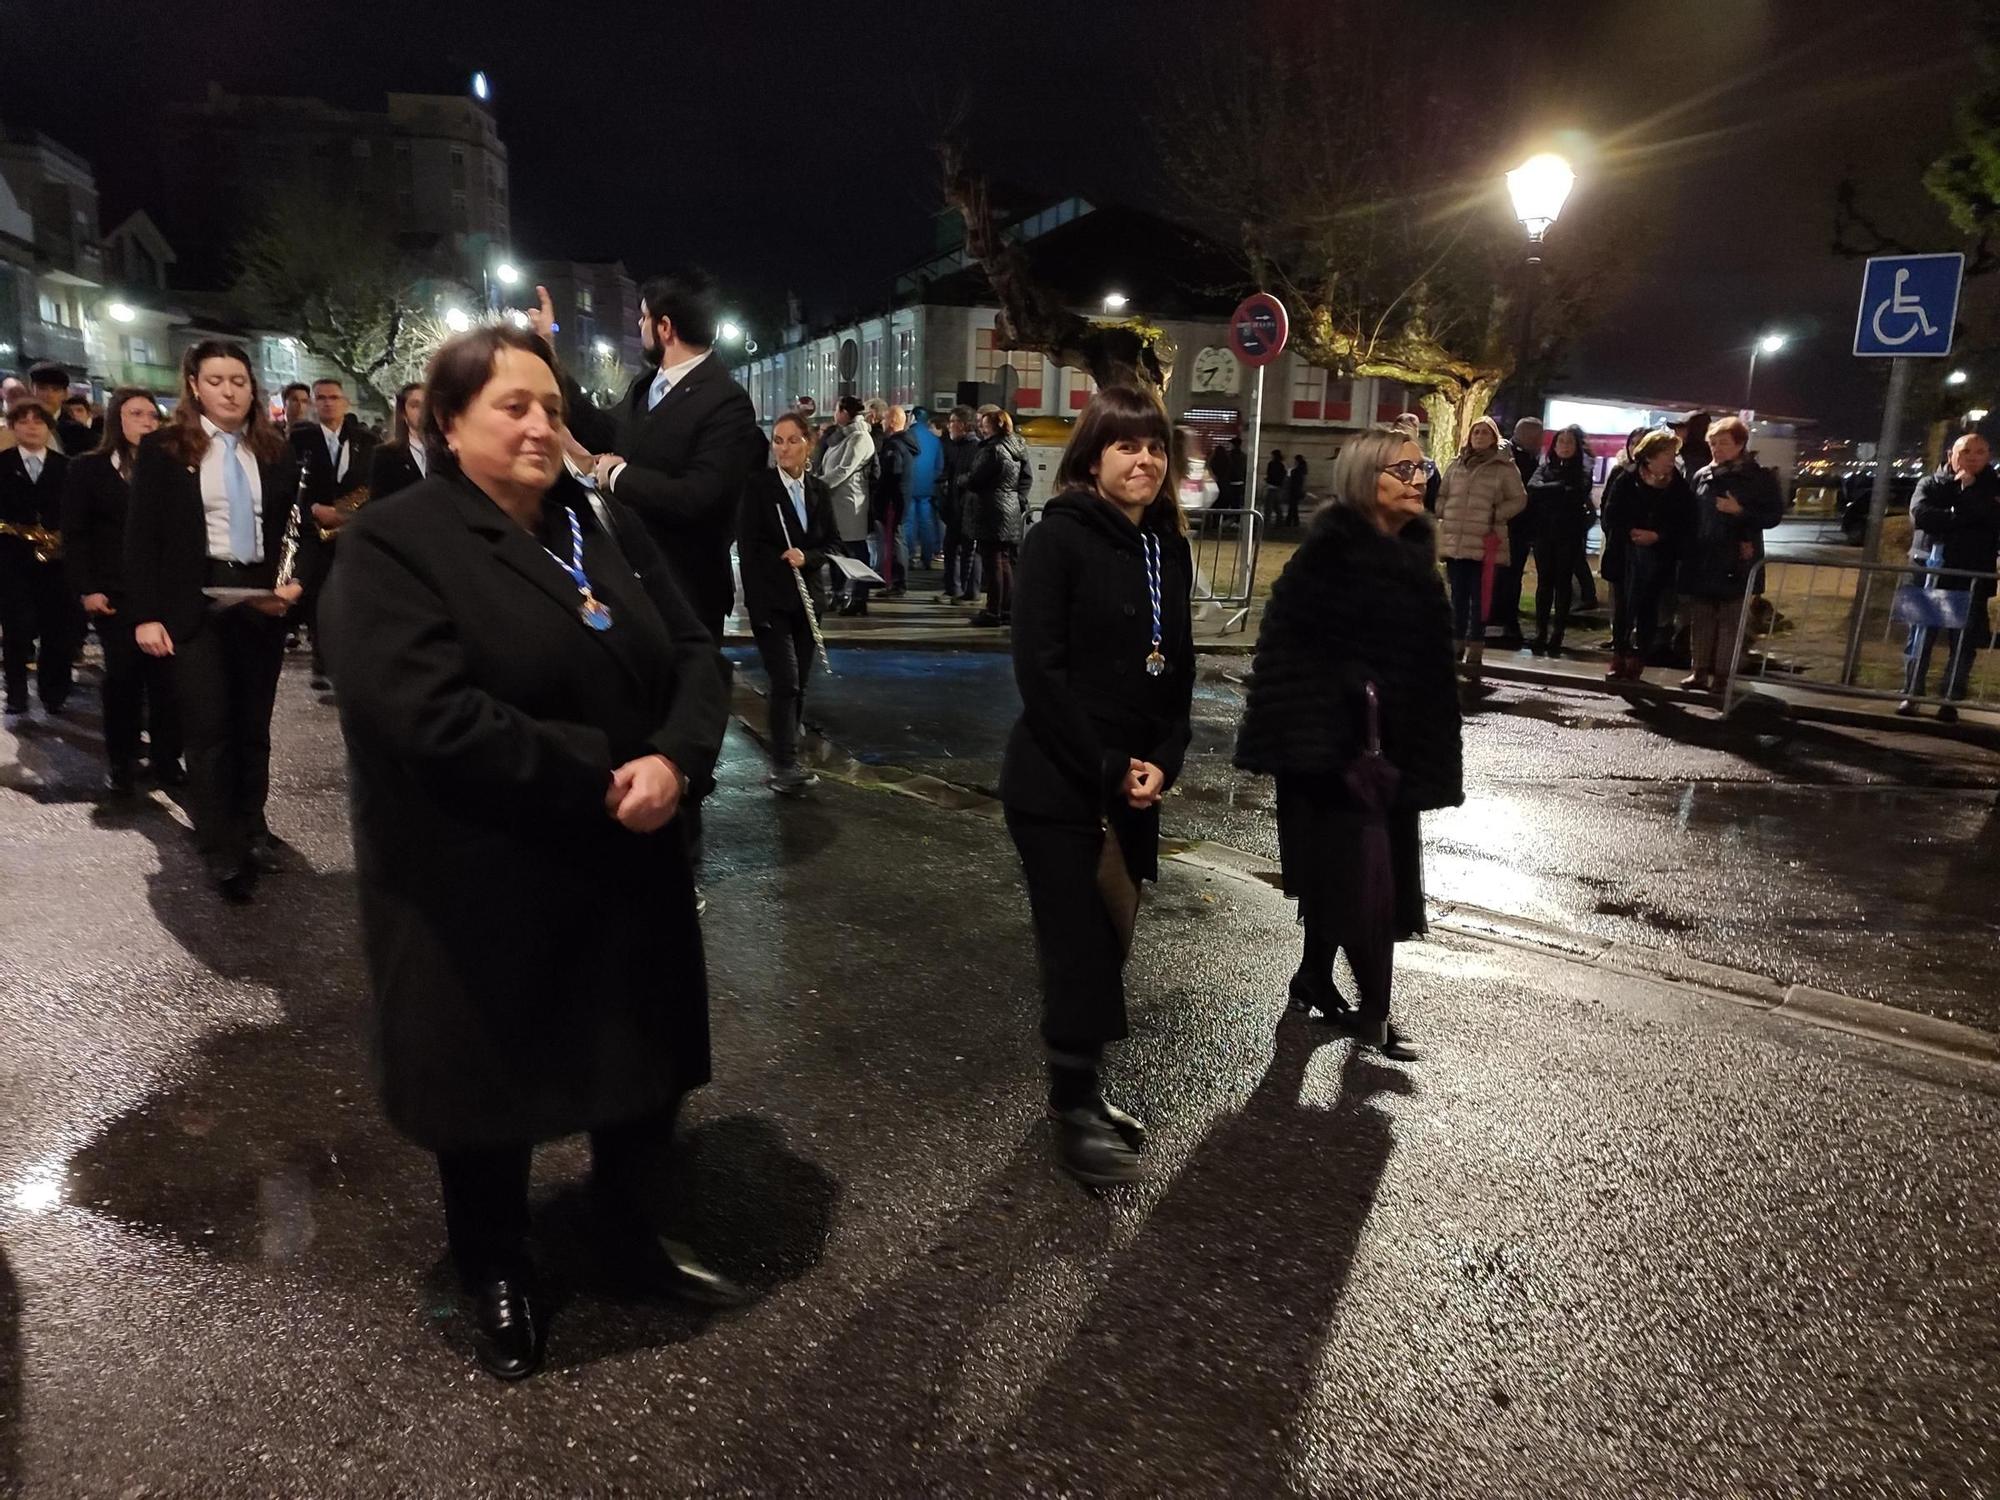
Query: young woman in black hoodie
[1104, 658]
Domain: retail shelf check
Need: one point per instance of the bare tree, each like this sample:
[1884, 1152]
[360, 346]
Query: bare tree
[1126, 351]
[1353, 167]
[343, 287]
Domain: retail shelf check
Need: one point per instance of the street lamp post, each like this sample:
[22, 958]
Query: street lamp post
[1538, 187]
[1769, 343]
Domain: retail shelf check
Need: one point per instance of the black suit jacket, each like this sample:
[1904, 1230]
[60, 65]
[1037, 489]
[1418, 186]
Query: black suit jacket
[166, 533]
[322, 482]
[29, 504]
[95, 500]
[392, 469]
[766, 526]
[686, 461]
[76, 439]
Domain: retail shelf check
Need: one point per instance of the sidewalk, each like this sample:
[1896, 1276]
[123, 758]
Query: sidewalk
[920, 622]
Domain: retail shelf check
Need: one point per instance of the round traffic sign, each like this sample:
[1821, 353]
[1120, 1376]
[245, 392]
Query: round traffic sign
[1258, 329]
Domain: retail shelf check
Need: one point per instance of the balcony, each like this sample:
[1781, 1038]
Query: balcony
[161, 380]
[40, 340]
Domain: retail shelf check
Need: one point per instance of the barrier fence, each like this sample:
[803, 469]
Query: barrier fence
[1225, 546]
[1862, 630]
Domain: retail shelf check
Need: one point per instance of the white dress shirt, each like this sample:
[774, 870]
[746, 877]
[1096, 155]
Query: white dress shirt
[215, 499]
[420, 456]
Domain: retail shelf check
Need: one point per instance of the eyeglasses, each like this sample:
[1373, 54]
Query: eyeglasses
[1408, 469]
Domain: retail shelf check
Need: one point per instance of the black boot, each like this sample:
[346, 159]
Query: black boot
[1317, 997]
[508, 1335]
[1093, 1150]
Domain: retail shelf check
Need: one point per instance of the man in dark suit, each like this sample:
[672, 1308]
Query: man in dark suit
[35, 602]
[679, 446]
[51, 384]
[334, 454]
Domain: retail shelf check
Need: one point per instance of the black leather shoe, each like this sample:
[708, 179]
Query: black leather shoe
[238, 886]
[1322, 1002]
[1947, 715]
[268, 853]
[119, 783]
[1907, 709]
[1092, 1149]
[508, 1336]
[1387, 1040]
[170, 773]
[646, 1264]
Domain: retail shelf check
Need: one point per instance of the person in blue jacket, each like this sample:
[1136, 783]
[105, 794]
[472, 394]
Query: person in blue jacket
[923, 542]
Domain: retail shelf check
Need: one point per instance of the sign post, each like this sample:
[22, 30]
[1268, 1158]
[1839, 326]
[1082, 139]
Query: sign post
[1258, 331]
[1909, 307]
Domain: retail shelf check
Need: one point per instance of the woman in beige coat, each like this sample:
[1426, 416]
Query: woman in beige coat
[1481, 493]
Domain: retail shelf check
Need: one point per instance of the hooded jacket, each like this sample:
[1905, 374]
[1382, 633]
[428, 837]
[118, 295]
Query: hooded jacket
[996, 489]
[1083, 629]
[1481, 493]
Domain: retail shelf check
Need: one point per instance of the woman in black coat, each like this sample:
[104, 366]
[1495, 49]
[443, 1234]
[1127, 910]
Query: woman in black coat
[1104, 659]
[1559, 520]
[215, 506]
[402, 461]
[997, 501]
[784, 535]
[1736, 500]
[1648, 509]
[527, 702]
[137, 687]
[1360, 605]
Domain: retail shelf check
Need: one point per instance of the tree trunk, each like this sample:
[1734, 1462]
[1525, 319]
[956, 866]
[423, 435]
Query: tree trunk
[1451, 410]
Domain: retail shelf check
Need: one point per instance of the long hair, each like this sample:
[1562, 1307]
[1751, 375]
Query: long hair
[113, 442]
[399, 429]
[187, 440]
[1579, 460]
[1121, 414]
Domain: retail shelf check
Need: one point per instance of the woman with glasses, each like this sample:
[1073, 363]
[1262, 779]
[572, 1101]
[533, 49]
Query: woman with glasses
[1356, 646]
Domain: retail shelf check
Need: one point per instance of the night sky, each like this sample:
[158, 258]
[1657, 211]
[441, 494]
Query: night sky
[790, 148]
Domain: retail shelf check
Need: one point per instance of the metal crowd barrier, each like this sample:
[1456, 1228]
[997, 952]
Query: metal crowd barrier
[1852, 629]
[1225, 546]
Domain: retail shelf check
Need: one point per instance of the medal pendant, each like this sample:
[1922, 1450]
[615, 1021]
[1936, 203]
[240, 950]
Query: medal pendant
[1156, 665]
[595, 615]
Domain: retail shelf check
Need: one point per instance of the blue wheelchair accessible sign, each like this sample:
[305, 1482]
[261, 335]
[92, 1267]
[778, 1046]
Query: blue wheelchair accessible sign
[1908, 305]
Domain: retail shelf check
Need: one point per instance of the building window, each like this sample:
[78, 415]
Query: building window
[1308, 393]
[871, 370]
[1081, 388]
[53, 311]
[460, 219]
[137, 350]
[906, 364]
[458, 166]
[584, 301]
[988, 361]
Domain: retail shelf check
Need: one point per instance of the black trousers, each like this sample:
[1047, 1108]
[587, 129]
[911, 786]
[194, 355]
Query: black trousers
[785, 643]
[226, 682]
[41, 624]
[137, 689]
[1082, 959]
[997, 559]
[1555, 567]
[486, 1191]
[1586, 583]
[1635, 606]
[961, 560]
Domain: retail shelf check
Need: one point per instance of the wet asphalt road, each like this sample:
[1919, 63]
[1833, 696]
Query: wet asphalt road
[1857, 861]
[1612, 1239]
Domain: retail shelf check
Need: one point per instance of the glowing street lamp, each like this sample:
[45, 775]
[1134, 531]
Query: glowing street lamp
[730, 333]
[122, 312]
[1956, 377]
[1115, 301]
[602, 348]
[508, 272]
[456, 320]
[1770, 343]
[1976, 415]
[481, 89]
[1540, 187]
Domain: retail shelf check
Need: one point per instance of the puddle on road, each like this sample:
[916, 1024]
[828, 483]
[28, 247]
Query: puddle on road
[1659, 921]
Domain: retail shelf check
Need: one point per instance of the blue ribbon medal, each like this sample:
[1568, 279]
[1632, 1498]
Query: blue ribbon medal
[592, 609]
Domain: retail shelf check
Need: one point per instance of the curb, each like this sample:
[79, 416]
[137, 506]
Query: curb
[1829, 1010]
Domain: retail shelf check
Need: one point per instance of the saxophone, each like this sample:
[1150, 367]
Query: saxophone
[347, 505]
[46, 541]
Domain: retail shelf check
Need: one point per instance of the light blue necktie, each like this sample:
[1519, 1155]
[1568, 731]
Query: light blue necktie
[796, 488]
[658, 392]
[242, 505]
[34, 464]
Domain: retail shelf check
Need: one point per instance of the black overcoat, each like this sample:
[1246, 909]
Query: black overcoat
[391, 471]
[95, 499]
[537, 969]
[1083, 627]
[1355, 606]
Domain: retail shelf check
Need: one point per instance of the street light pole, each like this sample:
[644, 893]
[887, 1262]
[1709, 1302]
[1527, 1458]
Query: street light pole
[1539, 187]
[1769, 343]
